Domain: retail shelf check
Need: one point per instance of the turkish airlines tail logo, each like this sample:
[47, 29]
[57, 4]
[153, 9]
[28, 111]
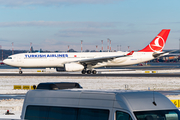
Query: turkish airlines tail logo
[158, 43]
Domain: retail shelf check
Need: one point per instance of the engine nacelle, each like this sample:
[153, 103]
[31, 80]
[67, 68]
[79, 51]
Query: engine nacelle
[71, 67]
[60, 69]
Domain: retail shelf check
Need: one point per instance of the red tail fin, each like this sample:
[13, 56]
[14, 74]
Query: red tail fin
[158, 42]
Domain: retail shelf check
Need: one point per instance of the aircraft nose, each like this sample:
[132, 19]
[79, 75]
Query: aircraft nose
[5, 61]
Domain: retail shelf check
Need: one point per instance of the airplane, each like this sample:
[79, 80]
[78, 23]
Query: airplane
[87, 61]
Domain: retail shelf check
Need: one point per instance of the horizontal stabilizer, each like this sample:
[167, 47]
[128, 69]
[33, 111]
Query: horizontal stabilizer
[156, 55]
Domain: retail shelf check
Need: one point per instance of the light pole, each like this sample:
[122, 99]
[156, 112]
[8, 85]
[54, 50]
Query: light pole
[30, 47]
[179, 46]
[12, 48]
[81, 45]
[108, 44]
[2, 51]
[102, 45]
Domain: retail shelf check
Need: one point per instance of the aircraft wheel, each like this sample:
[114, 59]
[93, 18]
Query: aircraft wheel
[83, 71]
[20, 72]
[94, 72]
[89, 72]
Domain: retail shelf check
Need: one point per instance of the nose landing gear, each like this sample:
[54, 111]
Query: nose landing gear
[20, 71]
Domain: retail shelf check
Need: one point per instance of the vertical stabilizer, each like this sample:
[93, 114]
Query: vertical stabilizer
[158, 43]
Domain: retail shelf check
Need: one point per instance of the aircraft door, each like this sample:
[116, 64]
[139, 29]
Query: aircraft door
[19, 59]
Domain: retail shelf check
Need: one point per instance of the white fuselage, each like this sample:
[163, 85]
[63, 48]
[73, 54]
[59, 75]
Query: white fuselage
[32, 60]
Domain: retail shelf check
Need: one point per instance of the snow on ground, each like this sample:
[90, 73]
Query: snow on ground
[133, 83]
[13, 105]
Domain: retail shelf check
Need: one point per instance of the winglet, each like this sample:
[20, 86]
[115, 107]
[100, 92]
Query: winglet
[158, 43]
[130, 53]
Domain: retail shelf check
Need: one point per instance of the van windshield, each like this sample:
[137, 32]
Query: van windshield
[158, 115]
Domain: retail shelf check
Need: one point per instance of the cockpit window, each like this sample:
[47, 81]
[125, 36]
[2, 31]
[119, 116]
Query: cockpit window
[9, 58]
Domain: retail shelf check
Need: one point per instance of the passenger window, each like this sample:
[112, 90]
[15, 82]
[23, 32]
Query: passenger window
[62, 113]
[37, 113]
[93, 114]
[122, 116]
[65, 113]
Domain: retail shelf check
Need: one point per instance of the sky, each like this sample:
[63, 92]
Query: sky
[56, 24]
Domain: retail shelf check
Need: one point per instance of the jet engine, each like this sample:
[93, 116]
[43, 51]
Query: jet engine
[60, 69]
[70, 67]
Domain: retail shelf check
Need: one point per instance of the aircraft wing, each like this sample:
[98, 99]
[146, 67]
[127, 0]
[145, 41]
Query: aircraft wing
[94, 61]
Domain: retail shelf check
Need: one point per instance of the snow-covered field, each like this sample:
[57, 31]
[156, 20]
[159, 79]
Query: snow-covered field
[133, 83]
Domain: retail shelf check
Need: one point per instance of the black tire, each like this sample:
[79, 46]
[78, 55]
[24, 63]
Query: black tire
[89, 72]
[83, 71]
[20, 72]
[94, 72]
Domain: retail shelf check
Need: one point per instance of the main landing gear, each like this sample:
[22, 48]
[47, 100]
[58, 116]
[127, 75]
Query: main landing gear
[88, 71]
[20, 71]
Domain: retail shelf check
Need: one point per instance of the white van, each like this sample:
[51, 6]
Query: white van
[79, 104]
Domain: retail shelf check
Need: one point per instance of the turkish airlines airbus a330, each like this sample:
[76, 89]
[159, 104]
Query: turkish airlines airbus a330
[87, 61]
